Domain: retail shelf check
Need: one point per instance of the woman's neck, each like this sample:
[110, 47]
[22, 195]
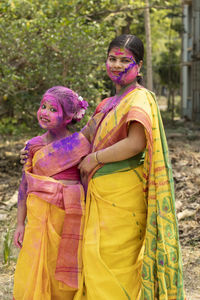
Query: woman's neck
[120, 89]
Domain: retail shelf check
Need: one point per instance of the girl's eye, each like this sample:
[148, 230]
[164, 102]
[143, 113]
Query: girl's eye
[43, 106]
[52, 109]
[112, 59]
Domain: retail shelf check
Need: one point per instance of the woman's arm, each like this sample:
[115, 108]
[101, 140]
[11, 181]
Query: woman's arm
[23, 155]
[133, 144]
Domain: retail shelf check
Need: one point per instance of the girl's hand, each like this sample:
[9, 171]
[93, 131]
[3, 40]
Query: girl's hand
[87, 164]
[23, 156]
[19, 236]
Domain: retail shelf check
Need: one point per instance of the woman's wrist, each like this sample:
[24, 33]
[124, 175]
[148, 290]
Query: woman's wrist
[97, 158]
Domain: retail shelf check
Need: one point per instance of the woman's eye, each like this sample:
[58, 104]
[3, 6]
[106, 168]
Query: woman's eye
[53, 109]
[43, 106]
[126, 61]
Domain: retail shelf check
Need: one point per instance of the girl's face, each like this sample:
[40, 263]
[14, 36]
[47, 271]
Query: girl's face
[50, 114]
[121, 66]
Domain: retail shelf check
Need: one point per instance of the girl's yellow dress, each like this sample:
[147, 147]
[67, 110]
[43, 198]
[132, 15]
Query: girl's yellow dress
[130, 247]
[49, 265]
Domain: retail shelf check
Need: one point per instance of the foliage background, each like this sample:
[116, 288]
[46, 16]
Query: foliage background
[57, 42]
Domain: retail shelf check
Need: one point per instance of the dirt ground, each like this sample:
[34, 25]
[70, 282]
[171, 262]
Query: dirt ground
[184, 144]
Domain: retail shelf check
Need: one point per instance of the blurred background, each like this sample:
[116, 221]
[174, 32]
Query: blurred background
[57, 42]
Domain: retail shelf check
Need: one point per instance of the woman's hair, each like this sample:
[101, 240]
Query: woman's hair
[68, 99]
[131, 43]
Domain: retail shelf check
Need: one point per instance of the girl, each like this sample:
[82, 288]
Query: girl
[51, 196]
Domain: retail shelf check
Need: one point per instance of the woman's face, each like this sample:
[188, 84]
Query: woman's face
[121, 66]
[50, 114]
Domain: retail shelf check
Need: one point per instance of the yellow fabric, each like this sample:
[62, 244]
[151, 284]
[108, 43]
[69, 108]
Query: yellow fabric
[114, 236]
[117, 243]
[115, 225]
[50, 262]
[35, 270]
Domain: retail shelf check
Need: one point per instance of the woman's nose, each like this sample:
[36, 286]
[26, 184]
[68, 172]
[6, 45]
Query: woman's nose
[117, 64]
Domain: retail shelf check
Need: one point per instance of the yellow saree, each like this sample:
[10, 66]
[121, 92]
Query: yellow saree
[131, 249]
[50, 261]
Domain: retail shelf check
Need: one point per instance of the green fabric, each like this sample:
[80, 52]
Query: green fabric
[121, 166]
[162, 275]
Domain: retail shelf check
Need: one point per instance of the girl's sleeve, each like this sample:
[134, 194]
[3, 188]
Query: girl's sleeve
[22, 193]
[90, 128]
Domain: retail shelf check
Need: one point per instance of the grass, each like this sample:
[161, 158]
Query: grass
[7, 245]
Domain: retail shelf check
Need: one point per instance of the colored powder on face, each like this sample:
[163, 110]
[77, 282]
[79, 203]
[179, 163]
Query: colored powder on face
[67, 98]
[125, 77]
[129, 74]
[119, 52]
[55, 118]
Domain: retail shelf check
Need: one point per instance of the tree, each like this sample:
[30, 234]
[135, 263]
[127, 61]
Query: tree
[169, 71]
[49, 42]
[148, 46]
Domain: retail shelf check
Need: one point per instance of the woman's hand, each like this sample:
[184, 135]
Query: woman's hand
[23, 156]
[87, 164]
[19, 235]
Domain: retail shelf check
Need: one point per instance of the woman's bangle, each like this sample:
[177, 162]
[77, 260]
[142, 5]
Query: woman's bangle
[96, 158]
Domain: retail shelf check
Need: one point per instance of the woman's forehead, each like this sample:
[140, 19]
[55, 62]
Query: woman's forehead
[120, 52]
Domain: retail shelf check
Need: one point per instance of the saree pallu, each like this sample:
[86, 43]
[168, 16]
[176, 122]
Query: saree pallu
[50, 261]
[131, 248]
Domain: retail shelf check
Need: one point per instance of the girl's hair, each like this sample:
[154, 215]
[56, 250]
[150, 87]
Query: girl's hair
[131, 43]
[68, 99]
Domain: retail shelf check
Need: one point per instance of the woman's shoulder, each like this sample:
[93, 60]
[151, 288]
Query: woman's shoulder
[142, 96]
[101, 105]
[140, 90]
[142, 100]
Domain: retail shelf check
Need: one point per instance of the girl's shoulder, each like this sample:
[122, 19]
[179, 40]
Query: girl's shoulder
[35, 141]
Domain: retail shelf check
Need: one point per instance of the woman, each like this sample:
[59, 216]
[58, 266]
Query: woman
[130, 245]
[51, 196]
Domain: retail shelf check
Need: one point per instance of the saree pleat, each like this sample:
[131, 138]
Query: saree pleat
[35, 271]
[114, 235]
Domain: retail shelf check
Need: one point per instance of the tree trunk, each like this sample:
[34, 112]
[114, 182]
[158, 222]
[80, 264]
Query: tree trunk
[173, 105]
[169, 99]
[148, 46]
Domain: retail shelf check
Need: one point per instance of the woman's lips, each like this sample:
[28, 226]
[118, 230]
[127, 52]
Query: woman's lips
[116, 73]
